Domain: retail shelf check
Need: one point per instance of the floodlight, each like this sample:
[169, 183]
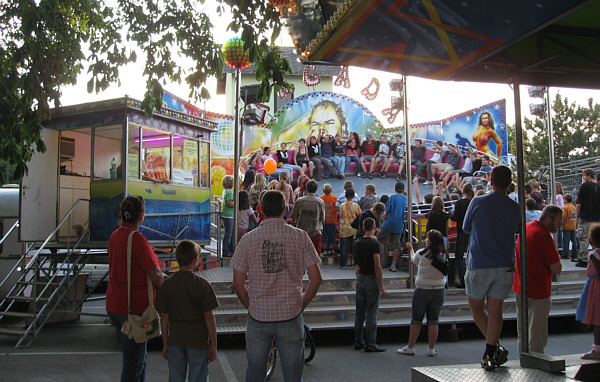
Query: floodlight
[397, 102]
[536, 91]
[537, 109]
[396, 85]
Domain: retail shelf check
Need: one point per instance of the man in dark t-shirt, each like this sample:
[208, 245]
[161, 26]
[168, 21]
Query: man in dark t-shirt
[588, 212]
[418, 154]
[369, 285]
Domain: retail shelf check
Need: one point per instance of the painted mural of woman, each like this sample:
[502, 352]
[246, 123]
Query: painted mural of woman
[484, 133]
[325, 114]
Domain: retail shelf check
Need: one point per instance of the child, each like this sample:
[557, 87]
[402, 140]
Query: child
[227, 215]
[245, 214]
[189, 329]
[348, 212]
[570, 229]
[531, 213]
[429, 294]
[287, 191]
[588, 309]
[331, 220]
[437, 218]
[260, 183]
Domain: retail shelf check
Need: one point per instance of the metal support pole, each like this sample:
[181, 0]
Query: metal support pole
[236, 158]
[552, 187]
[407, 155]
[523, 242]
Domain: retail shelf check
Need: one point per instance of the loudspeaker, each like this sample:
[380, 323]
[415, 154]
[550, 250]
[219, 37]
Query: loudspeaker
[248, 94]
[253, 116]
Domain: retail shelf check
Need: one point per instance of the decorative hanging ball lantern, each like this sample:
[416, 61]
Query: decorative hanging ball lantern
[280, 3]
[235, 55]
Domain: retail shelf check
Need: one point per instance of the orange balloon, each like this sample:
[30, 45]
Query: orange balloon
[270, 166]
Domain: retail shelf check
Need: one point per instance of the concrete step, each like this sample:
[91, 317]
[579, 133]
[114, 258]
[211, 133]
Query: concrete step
[388, 309]
[347, 297]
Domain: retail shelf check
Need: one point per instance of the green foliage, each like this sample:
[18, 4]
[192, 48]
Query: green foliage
[44, 44]
[576, 130]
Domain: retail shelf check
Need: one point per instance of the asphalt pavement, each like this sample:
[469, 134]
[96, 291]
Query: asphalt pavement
[87, 349]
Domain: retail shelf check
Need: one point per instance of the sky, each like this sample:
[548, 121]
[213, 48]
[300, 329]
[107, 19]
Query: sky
[428, 100]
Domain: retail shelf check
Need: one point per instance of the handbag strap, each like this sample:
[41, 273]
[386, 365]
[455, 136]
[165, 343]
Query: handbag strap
[148, 281]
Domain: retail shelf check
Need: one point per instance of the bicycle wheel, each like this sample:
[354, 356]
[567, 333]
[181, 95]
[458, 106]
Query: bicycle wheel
[309, 347]
[272, 362]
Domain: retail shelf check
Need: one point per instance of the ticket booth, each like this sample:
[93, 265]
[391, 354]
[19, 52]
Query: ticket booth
[103, 151]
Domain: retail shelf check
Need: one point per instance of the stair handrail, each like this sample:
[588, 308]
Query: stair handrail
[14, 226]
[43, 246]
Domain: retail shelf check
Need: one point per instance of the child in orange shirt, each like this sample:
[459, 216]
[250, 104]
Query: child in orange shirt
[331, 221]
[569, 229]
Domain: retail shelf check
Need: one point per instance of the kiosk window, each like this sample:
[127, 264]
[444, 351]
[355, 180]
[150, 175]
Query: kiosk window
[107, 152]
[156, 154]
[133, 153]
[205, 165]
[185, 161]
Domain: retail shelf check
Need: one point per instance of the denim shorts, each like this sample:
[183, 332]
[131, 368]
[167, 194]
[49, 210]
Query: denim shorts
[493, 282]
[427, 301]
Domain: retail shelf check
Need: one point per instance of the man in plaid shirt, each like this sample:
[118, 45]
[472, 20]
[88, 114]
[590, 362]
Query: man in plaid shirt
[273, 257]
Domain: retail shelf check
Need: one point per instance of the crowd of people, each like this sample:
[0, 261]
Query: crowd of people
[374, 158]
[271, 259]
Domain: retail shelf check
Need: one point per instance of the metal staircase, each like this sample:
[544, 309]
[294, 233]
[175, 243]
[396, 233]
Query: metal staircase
[47, 285]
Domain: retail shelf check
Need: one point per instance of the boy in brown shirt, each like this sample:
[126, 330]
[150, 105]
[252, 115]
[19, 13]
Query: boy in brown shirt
[189, 330]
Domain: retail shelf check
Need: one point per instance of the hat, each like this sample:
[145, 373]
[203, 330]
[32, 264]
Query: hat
[369, 135]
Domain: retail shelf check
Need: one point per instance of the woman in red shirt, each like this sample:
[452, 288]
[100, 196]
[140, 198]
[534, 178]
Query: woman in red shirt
[143, 262]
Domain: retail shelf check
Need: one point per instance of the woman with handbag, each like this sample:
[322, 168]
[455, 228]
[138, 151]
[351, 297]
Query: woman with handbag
[430, 290]
[129, 291]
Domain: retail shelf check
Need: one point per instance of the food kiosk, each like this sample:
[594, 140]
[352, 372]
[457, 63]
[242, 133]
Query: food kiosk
[103, 151]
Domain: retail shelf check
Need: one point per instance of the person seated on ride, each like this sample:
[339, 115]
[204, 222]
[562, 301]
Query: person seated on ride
[284, 162]
[339, 156]
[383, 154]
[301, 158]
[368, 151]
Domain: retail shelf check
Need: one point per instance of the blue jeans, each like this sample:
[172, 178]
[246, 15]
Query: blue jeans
[345, 248]
[427, 301]
[339, 163]
[227, 236]
[570, 237]
[289, 336]
[367, 304]
[181, 357]
[134, 354]
[352, 158]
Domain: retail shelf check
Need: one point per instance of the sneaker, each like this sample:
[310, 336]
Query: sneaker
[500, 355]
[344, 267]
[318, 178]
[382, 175]
[431, 352]
[392, 268]
[398, 177]
[592, 354]
[427, 182]
[488, 363]
[582, 264]
[339, 175]
[358, 174]
[370, 175]
[406, 351]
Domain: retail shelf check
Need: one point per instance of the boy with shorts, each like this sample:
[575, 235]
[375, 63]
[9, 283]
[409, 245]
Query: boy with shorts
[382, 155]
[393, 226]
[189, 330]
[331, 220]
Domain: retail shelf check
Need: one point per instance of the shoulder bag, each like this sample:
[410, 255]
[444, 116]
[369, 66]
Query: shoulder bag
[147, 326]
[440, 262]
